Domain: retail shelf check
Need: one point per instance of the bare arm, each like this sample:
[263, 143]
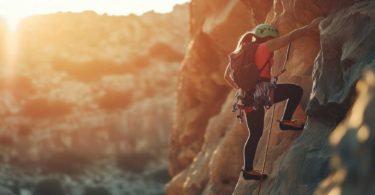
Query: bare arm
[277, 43]
[228, 78]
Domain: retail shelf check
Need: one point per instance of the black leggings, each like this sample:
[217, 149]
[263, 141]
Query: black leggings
[255, 119]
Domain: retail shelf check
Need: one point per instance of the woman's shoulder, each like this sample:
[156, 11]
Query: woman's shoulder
[263, 48]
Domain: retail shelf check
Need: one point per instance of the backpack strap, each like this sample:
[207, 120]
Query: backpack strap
[265, 64]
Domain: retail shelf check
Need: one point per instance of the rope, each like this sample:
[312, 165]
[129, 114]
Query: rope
[286, 59]
[268, 141]
[271, 124]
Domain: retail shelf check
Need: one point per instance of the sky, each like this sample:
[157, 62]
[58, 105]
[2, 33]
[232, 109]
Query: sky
[17, 9]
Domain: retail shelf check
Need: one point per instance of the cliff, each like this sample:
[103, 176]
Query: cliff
[207, 141]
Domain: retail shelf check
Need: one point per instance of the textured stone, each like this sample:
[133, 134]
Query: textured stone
[195, 109]
[295, 166]
[353, 144]
[201, 89]
[214, 170]
[346, 50]
[305, 163]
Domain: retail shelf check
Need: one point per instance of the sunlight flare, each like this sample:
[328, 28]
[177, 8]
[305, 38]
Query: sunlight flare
[12, 22]
[11, 45]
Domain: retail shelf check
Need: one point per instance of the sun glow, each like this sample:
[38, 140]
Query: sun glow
[12, 22]
[11, 45]
[14, 11]
[111, 7]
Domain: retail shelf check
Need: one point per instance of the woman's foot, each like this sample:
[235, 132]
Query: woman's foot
[291, 125]
[253, 175]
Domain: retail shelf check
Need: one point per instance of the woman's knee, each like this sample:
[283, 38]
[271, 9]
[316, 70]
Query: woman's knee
[297, 91]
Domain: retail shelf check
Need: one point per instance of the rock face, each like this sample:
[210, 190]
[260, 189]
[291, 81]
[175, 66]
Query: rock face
[208, 160]
[201, 89]
[353, 144]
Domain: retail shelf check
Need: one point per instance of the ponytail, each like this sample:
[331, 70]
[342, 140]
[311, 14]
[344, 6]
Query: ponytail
[246, 38]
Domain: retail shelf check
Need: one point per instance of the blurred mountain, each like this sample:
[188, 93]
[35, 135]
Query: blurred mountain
[86, 36]
[91, 101]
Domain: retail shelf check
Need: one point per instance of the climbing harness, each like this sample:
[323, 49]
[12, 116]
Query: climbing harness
[260, 95]
[272, 116]
[263, 95]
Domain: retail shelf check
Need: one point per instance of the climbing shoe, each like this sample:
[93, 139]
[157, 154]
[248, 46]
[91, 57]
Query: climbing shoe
[253, 175]
[291, 125]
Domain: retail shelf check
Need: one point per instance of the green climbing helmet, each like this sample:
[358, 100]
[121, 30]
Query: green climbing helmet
[265, 30]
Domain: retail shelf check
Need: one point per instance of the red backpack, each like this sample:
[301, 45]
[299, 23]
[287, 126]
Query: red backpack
[245, 72]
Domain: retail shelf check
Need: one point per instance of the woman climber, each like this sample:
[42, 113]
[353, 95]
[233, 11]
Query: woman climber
[266, 92]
